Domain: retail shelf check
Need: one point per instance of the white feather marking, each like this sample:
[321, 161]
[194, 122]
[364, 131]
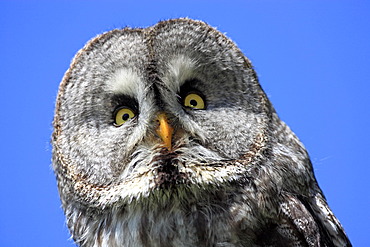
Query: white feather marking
[125, 81]
[180, 69]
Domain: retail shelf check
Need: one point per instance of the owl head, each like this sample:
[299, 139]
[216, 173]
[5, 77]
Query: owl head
[141, 110]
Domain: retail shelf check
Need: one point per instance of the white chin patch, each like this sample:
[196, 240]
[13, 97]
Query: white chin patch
[125, 81]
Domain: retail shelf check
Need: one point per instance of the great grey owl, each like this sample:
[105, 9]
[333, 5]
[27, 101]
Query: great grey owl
[163, 137]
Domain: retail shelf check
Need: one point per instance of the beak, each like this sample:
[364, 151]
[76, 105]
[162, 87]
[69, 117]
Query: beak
[165, 130]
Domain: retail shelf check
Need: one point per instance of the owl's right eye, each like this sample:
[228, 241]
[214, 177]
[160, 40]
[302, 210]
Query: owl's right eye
[122, 115]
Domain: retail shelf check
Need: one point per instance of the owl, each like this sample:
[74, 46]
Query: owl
[164, 137]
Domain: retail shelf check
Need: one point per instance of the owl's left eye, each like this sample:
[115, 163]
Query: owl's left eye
[122, 115]
[194, 100]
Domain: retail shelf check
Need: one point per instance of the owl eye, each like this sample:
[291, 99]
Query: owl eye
[122, 115]
[194, 100]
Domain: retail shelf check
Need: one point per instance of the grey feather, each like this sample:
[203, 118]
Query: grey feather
[235, 174]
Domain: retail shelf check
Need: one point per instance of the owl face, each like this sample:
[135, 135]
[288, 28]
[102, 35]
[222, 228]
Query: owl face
[141, 110]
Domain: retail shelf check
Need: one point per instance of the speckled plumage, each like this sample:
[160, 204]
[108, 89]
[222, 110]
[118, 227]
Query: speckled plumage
[235, 174]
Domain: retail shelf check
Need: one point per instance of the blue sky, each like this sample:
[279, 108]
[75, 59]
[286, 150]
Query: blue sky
[312, 58]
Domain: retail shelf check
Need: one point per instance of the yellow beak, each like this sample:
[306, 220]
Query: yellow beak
[165, 130]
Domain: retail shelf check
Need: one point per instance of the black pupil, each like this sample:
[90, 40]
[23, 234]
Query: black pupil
[193, 102]
[125, 117]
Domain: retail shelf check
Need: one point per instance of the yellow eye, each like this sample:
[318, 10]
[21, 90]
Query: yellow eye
[195, 101]
[122, 115]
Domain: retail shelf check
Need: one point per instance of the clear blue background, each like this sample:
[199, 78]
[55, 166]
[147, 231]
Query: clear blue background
[312, 57]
